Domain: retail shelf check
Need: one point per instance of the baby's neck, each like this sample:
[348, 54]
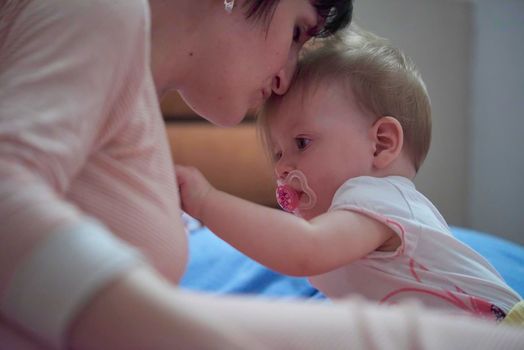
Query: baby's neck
[402, 166]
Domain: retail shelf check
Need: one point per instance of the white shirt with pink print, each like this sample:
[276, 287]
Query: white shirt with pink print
[430, 265]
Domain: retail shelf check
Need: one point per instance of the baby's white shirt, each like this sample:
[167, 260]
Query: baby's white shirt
[430, 265]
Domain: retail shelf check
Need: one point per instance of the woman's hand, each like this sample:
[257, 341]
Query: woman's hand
[194, 188]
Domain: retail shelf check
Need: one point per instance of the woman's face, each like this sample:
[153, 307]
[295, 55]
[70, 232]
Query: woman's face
[241, 62]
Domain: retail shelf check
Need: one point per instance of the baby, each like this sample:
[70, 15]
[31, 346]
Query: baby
[347, 140]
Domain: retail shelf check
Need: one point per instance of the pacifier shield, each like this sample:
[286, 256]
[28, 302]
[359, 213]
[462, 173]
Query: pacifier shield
[294, 194]
[287, 198]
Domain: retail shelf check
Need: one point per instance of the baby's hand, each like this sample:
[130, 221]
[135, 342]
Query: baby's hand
[193, 188]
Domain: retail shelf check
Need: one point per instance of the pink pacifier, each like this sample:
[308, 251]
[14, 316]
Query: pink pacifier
[293, 193]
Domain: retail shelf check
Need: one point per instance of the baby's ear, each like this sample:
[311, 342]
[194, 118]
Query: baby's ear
[388, 138]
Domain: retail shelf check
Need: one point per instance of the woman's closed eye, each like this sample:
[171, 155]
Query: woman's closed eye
[301, 34]
[297, 34]
[302, 142]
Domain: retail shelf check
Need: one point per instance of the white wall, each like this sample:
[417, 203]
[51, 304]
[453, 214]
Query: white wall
[471, 55]
[436, 34]
[496, 201]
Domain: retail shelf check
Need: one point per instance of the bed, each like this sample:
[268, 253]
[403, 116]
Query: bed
[215, 266]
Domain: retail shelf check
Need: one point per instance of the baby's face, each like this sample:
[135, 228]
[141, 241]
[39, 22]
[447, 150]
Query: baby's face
[326, 136]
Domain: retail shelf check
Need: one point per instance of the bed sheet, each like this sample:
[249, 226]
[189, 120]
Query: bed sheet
[216, 267]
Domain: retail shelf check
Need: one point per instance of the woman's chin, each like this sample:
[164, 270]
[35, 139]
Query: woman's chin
[230, 121]
[219, 113]
[226, 117]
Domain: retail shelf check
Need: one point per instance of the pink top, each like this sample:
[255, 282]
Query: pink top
[430, 265]
[81, 133]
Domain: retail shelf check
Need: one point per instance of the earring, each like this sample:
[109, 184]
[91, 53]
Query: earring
[228, 5]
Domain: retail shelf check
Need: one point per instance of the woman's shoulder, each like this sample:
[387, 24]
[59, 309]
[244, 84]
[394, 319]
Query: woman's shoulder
[89, 16]
[74, 30]
[94, 15]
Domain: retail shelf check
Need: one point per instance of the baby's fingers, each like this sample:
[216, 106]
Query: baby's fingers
[183, 173]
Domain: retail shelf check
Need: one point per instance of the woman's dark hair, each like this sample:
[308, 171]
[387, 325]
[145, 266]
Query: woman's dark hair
[336, 14]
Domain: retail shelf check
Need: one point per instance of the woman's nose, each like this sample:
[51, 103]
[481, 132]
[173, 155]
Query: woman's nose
[283, 78]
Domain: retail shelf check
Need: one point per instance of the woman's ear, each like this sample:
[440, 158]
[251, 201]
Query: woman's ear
[388, 138]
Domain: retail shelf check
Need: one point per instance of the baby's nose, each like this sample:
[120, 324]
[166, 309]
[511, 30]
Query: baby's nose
[281, 172]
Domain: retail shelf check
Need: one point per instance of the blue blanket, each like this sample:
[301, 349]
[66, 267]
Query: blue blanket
[216, 267]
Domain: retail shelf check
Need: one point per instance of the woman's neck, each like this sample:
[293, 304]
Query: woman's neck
[174, 31]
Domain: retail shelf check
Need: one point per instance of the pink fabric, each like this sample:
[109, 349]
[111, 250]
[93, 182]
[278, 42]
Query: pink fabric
[430, 265]
[81, 133]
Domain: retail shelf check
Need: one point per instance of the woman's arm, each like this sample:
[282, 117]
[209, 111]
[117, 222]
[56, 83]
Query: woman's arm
[140, 310]
[279, 240]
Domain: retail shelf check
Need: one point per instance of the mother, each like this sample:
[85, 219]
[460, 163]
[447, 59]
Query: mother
[87, 192]
[91, 241]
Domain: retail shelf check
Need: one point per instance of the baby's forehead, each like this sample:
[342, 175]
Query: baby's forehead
[302, 102]
[297, 98]
[283, 120]
[302, 96]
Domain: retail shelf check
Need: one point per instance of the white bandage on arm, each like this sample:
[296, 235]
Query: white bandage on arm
[61, 275]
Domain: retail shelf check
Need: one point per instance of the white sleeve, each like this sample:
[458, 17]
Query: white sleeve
[60, 276]
[380, 199]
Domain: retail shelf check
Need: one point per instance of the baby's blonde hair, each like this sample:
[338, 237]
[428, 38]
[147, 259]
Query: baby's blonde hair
[383, 79]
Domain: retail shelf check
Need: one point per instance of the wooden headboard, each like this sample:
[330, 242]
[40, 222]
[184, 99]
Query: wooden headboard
[232, 159]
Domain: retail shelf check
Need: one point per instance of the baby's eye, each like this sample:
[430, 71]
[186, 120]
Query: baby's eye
[302, 142]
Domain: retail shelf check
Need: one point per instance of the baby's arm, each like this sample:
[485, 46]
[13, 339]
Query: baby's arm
[279, 240]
